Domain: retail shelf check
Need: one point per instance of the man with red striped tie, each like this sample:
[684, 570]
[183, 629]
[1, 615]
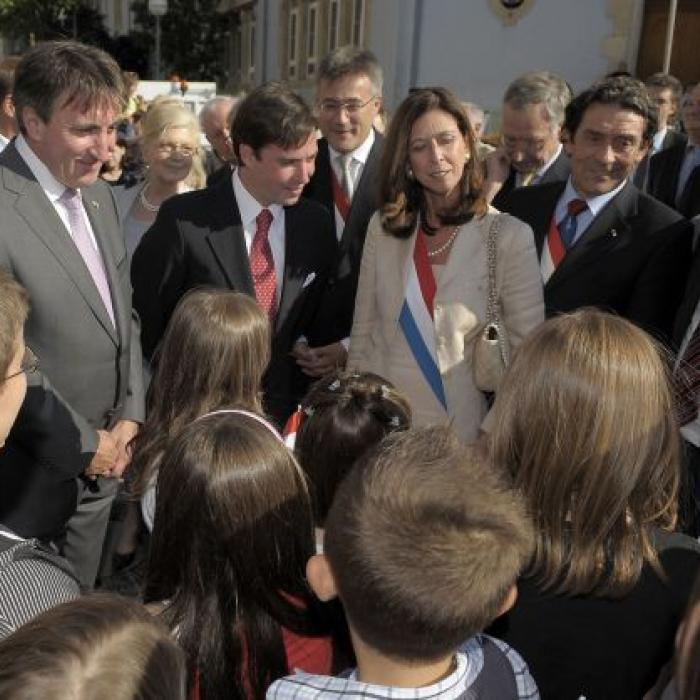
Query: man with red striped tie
[601, 241]
[348, 98]
[250, 232]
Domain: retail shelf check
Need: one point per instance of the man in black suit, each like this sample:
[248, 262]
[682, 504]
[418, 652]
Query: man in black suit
[531, 153]
[601, 241]
[251, 232]
[674, 174]
[665, 91]
[349, 96]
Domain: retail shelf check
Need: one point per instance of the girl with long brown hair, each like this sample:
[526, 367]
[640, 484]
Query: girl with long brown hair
[584, 423]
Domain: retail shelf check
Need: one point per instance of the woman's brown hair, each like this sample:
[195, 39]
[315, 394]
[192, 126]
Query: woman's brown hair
[401, 197]
[214, 353]
[585, 424]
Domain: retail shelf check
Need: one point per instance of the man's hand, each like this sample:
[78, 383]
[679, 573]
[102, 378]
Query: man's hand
[123, 432]
[318, 362]
[497, 171]
[105, 459]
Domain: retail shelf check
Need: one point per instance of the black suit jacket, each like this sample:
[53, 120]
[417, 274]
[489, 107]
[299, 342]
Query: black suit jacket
[633, 259]
[664, 169]
[641, 175]
[690, 301]
[197, 240]
[557, 172]
[339, 305]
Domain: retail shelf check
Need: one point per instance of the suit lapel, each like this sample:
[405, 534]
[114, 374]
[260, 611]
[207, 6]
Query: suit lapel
[363, 195]
[34, 207]
[609, 228]
[541, 210]
[227, 239]
[295, 268]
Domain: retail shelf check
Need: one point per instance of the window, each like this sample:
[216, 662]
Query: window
[358, 20]
[311, 39]
[333, 24]
[293, 44]
[238, 50]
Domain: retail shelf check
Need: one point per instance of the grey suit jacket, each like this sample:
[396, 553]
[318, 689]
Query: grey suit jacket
[90, 371]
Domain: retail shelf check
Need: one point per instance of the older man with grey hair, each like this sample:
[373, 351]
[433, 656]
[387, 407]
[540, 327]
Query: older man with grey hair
[215, 119]
[531, 150]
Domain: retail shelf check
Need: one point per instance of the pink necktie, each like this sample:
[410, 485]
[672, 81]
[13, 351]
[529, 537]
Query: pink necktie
[83, 241]
[262, 266]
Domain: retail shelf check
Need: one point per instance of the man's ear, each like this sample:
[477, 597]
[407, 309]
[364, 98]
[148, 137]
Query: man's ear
[34, 125]
[509, 600]
[8, 106]
[247, 153]
[320, 577]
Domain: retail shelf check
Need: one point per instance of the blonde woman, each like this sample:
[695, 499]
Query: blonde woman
[584, 422]
[170, 151]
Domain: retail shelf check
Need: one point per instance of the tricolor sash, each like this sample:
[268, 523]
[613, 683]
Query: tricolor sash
[553, 251]
[416, 318]
[341, 204]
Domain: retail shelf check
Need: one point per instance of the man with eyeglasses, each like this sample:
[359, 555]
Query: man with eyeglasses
[348, 98]
[61, 238]
[531, 152]
[601, 241]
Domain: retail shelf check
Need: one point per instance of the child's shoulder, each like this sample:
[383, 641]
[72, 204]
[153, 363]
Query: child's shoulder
[499, 670]
[308, 686]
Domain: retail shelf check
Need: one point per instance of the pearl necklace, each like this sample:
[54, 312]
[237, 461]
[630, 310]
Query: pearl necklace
[146, 204]
[438, 251]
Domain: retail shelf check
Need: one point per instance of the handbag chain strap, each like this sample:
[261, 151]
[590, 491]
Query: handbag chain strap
[492, 315]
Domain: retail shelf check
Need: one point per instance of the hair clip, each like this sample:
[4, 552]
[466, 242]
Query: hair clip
[334, 385]
[394, 422]
[309, 411]
[386, 391]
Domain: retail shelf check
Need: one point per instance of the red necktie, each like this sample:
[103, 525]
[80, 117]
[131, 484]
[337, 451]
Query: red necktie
[262, 267]
[686, 380]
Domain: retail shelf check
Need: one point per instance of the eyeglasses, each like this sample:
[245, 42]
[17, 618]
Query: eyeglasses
[29, 364]
[350, 106]
[167, 149]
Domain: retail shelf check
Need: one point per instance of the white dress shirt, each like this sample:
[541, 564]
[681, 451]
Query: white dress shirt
[358, 160]
[594, 206]
[249, 208]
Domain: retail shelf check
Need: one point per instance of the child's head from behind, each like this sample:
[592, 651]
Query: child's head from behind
[231, 508]
[423, 545]
[214, 352]
[345, 415]
[94, 647]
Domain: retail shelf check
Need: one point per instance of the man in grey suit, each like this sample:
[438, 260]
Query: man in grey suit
[531, 152]
[61, 239]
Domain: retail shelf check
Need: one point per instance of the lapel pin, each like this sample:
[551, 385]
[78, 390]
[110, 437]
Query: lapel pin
[95, 204]
[613, 232]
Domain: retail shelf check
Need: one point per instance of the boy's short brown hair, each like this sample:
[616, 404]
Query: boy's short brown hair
[14, 307]
[424, 543]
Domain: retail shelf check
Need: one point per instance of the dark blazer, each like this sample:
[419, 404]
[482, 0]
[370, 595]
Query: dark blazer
[690, 301]
[558, 171]
[90, 372]
[641, 174]
[664, 169]
[633, 259]
[197, 240]
[339, 304]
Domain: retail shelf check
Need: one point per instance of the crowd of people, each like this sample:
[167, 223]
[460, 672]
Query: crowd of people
[365, 404]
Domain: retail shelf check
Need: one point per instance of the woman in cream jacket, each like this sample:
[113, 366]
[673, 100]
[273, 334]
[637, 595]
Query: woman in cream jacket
[422, 294]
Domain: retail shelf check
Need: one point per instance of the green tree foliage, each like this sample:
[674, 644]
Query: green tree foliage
[193, 36]
[37, 20]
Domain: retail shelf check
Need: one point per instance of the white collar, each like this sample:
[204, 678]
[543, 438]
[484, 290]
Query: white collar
[550, 162]
[53, 188]
[248, 206]
[595, 204]
[361, 153]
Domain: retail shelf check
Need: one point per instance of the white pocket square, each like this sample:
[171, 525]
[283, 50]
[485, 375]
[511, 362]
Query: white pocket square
[309, 279]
